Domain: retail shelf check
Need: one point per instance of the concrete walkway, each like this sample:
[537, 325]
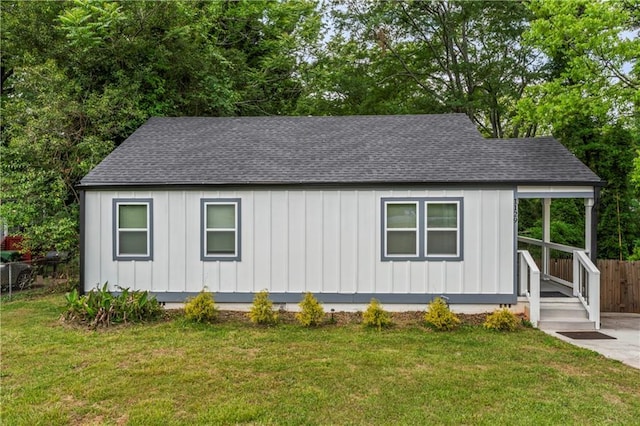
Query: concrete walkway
[624, 327]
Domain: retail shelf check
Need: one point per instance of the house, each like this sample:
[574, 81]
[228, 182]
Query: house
[400, 208]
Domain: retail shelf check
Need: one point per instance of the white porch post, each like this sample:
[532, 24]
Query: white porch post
[546, 236]
[588, 211]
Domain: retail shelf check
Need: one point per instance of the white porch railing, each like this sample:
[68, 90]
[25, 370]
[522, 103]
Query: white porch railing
[530, 284]
[586, 276]
[586, 285]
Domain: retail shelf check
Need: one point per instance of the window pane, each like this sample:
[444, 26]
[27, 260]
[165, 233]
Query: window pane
[442, 243]
[221, 242]
[401, 215]
[133, 242]
[221, 216]
[401, 242]
[132, 216]
[442, 215]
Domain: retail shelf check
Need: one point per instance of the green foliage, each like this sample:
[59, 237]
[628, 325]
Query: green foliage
[440, 317]
[311, 311]
[425, 57]
[635, 176]
[101, 308]
[501, 320]
[588, 99]
[262, 310]
[78, 77]
[376, 316]
[201, 308]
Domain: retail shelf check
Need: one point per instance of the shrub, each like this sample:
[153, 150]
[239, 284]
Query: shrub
[502, 320]
[201, 308]
[439, 316]
[262, 309]
[311, 313]
[101, 308]
[376, 316]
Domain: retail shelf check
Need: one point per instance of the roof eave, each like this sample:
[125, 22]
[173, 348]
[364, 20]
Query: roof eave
[180, 185]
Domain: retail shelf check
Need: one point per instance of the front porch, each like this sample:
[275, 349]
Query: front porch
[563, 289]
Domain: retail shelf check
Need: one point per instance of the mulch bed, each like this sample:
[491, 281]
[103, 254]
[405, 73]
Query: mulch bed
[400, 319]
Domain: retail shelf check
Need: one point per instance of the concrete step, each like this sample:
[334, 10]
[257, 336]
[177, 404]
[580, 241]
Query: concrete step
[562, 300]
[554, 313]
[568, 309]
[554, 305]
[566, 324]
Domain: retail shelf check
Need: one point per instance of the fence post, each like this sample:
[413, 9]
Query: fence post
[534, 301]
[524, 276]
[594, 297]
[10, 278]
[576, 273]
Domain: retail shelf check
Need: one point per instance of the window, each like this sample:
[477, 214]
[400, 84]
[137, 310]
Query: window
[402, 229]
[422, 228]
[442, 229]
[220, 229]
[132, 225]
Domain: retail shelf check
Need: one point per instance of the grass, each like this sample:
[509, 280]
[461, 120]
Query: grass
[174, 372]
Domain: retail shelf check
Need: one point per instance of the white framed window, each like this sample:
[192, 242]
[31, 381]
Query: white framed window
[401, 229]
[133, 229]
[442, 229]
[422, 228]
[220, 229]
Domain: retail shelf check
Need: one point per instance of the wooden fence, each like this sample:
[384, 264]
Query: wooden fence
[619, 283]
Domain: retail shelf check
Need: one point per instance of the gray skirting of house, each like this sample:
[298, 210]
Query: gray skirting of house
[391, 298]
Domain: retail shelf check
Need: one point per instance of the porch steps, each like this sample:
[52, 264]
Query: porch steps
[564, 314]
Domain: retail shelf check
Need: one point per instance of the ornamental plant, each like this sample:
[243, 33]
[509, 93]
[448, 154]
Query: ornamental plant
[262, 310]
[376, 316]
[201, 308]
[501, 320]
[311, 311]
[440, 317]
[100, 307]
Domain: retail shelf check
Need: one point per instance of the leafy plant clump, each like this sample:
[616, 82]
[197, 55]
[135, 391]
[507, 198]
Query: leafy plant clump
[201, 308]
[440, 317]
[312, 312]
[502, 320]
[101, 308]
[376, 316]
[262, 310]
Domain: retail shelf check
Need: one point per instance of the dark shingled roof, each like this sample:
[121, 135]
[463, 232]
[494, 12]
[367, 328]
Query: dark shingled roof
[427, 149]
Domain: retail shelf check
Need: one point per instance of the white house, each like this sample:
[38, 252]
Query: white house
[400, 208]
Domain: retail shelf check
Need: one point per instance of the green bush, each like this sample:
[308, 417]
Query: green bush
[262, 310]
[439, 316]
[201, 308]
[311, 312]
[502, 320]
[376, 316]
[101, 308]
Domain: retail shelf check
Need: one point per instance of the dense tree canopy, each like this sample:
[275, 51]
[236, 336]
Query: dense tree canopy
[79, 76]
[422, 56]
[589, 101]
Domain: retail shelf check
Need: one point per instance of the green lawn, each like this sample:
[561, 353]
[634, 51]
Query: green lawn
[172, 372]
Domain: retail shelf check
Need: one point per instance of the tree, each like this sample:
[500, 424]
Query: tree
[78, 78]
[427, 57]
[589, 101]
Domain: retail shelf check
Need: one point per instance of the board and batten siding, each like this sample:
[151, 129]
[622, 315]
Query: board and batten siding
[293, 241]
